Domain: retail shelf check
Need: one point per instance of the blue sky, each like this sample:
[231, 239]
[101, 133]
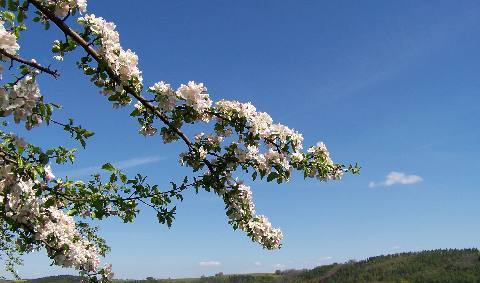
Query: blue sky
[391, 85]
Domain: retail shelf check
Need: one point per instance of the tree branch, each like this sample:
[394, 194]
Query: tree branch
[97, 57]
[30, 63]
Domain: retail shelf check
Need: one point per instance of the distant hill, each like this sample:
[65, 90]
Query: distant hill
[444, 266]
[50, 279]
[428, 266]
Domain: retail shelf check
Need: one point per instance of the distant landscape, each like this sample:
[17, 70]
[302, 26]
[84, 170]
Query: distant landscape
[449, 265]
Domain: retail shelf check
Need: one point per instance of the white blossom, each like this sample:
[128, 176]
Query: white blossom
[63, 7]
[196, 96]
[297, 157]
[107, 273]
[123, 63]
[241, 211]
[199, 136]
[147, 130]
[166, 97]
[139, 106]
[8, 42]
[50, 225]
[49, 173]
[202, 153]
[169, 136]
[21, 100]
[321, 150]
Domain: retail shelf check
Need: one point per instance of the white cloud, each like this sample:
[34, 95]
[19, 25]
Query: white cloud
[134, 162]
[279, 265]
[325, 258]
[124, 164]
[209, 263]
[257, 263]
[394, 178]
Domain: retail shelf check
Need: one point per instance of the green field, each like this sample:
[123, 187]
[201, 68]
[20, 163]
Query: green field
[450, 265]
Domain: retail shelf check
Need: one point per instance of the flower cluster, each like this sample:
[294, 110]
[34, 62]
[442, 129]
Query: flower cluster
[64, 7]
[48, 224]
[272, 150]
[49, 173]
[241, 211]
[261, 231]
[325, 169]
[192, 94]
[81, 254]
[8, 41]
[123, 63]
[209, 140]
[146, 128]
[107, 273]
[259, 123]
[189, 103]
[21, 100]
[321, 149]
[284, 145]
[165, 96]
[196, 96]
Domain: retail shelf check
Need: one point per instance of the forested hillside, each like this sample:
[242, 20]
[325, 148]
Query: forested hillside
[428, 266]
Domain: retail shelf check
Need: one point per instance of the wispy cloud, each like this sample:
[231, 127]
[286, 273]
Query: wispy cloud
[279, 265]
[134, 162]
[124, 164]
[257, 263]
[209, 263]
[394, 178]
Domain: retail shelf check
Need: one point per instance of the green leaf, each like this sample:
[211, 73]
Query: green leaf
[12, 5]
[88, 134]
[20, 16]
[123, 178]
[109, 167]
[9, 16]
[135, 113]
[49, 202]
[43, 158]
[73, 212]
[272, 176]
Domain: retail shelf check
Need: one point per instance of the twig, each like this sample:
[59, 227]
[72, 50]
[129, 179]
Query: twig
[30, 63]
